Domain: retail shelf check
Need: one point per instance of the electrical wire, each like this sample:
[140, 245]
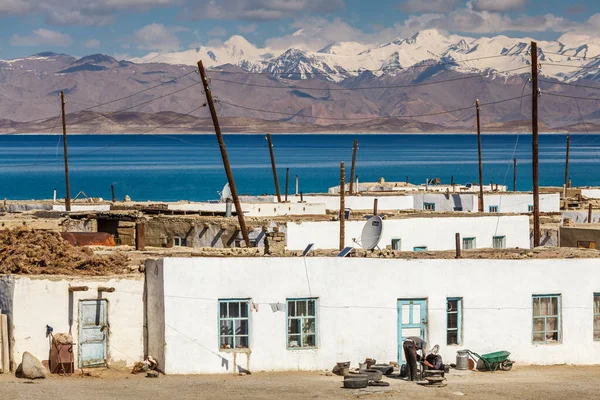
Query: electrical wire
[367, 118]
[571, 97]
[569, 84]
[566, 55]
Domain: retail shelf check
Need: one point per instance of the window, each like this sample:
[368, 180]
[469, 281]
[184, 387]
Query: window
[234, 324]
[468, 243]
[493, 209]
[596, 316]
[546, 318]
[396, 244]
[585, 244]
[178, 241]
[454, 320]
[302, 323]
[429, 206]
[420, 248]
[499, 242]
[530, 208]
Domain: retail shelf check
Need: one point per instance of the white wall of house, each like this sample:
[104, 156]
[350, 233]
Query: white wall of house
[256, 209]
[580, 217]
[388, 203]
[446, 202]
[357, 308]
[591, 193]
[81, 207]
[437, 233]
[520, 202]
[43, 300]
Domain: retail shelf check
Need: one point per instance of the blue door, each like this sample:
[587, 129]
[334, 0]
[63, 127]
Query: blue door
[412, 321]
[93, 331]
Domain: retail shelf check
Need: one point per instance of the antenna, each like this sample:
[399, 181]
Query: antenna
[307, 249]
[226, 193]
[371, 233]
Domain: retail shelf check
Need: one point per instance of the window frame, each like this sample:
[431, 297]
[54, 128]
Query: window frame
[558, 317]
[420, 248]
[596, 314]
[234, 336]
[469, 239]
[530, 208]
[288, 318]
[431, 205]
[497, 209]
[182, 241]
[399, 241]
[458, 313]
[503, 237]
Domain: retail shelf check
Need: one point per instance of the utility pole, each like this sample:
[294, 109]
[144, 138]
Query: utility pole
[514, 174]
[353, 165]
[535, 144]
[342, 206]
[479, 153]
[66, 153]
[234, 194]
[567, 166]
[274, 167]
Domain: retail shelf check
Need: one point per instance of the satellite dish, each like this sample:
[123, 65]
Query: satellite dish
[371, 233]
[226, 193]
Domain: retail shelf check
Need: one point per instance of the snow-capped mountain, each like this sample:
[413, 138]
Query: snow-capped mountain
[341, 60]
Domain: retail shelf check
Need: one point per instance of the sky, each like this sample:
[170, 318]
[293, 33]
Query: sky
[133, 28]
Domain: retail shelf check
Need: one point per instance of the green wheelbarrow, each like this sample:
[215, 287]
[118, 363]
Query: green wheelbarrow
[493, 361]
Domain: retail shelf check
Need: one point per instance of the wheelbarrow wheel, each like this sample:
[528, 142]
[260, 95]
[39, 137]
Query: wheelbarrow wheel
[506, 365]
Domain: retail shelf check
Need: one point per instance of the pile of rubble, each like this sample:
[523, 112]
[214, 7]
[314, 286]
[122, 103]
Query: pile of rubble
[25, 251]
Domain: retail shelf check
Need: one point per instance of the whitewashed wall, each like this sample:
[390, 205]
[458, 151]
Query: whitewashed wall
[437, 233]
[81, 207]
[591, 193]
[256, 209]
[520, 202]
[360, 202]
[357, 308]
[39, 301]
[463, 201]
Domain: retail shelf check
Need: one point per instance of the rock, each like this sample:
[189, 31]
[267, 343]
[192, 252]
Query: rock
[151, 374]
[31, 367]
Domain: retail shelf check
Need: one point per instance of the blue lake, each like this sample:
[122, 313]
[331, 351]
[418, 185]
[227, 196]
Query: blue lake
[175, 167]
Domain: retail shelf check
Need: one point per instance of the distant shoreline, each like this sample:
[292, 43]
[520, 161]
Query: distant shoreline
[301, 133]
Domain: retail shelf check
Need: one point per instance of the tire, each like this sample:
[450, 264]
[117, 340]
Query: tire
[506, 365]
[355, 383]
[379, 383]
[374, 374]
[384, 369]
[357, 376]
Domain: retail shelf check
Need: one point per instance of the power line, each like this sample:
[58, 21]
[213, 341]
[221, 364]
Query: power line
[551, 64]
[566, 55]
[360, 88]
[369, 118]
[569, 84]
[571, 97]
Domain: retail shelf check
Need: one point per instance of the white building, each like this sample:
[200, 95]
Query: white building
[210, 315]
[414, 234]
[107, 327]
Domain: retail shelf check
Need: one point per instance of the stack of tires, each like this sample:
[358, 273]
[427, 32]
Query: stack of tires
[367, 377]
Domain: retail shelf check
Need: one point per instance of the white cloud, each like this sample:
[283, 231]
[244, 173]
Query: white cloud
[78, 12]
[260, 10]
[156, 37]
[499, 5]
[429, 6]
[42, 37]
[92, 43]
[217, 31]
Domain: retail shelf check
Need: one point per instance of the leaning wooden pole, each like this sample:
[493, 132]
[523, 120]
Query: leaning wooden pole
[234, 194]
[567, 166]
[535, 144]
[274, 167]
[514, 174]
[352, 169]
[479, 155]
[66, 153]
[342, 206]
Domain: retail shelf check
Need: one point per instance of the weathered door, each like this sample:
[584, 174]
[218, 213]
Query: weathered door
[93, 332]
[412, 321]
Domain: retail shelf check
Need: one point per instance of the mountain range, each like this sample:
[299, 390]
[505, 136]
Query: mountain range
[406, 85]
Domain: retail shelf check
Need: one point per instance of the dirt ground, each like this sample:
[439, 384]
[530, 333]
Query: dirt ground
[557, 382]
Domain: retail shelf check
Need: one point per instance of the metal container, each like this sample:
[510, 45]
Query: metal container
[462, 360]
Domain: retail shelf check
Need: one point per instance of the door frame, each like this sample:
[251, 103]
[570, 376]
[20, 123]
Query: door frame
[423, 325]
[106, 333]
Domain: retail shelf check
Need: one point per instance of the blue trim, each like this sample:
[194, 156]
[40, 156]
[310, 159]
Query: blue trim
[556, 314]
[399, 241]
[423, 319]
[458, 328]
[420, 248]
[596, 315]
[432, 205]
[496, 209]
[503, 237]
[469, 239]
[234, 336]
[301, 319]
